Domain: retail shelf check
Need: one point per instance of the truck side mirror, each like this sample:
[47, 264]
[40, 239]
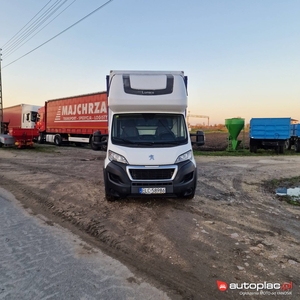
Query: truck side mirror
[200, 138]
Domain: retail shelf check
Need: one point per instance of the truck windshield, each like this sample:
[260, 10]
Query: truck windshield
[149, 129]
[34, 116]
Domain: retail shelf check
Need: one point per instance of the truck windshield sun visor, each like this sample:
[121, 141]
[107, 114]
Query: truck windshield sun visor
[148, 92]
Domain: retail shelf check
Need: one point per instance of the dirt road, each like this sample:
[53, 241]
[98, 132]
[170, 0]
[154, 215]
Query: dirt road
[232, 231]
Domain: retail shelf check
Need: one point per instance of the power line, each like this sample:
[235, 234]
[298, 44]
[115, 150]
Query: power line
[34, 26]
[88, 15]
[16, 48]
[26, 24]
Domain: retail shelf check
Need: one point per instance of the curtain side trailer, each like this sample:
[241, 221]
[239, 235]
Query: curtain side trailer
[78, 119]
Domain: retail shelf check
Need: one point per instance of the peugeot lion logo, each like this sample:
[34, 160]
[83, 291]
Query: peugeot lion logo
[151, 157]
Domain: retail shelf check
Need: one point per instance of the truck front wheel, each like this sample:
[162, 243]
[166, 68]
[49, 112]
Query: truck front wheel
[57, 140]
[93, 146]
[108, 195]
[41, 139]
[190, 195]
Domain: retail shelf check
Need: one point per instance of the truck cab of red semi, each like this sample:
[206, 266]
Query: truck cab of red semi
[40, 121]
[21, 121]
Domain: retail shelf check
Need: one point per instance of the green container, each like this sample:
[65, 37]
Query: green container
[234, 127]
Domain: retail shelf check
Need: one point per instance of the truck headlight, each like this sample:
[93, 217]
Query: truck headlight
[183, 157]
[117, 157]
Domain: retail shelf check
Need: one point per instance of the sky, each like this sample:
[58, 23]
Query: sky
[241, 56]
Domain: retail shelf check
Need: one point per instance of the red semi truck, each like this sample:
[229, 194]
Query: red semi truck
[21, 120]
[79, 119]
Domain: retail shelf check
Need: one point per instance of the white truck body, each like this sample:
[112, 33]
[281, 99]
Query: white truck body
[149, 151]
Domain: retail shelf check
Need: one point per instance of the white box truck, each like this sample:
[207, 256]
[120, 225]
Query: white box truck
[149, 149]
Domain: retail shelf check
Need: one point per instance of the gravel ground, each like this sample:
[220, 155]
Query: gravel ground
[234, 230]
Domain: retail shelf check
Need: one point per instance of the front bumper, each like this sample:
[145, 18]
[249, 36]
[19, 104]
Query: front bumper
[118, 183]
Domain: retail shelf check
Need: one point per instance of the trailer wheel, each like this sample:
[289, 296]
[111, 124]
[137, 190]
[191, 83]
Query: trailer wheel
[281, 149]
[297, 146]
[57, 140]
[287, 144]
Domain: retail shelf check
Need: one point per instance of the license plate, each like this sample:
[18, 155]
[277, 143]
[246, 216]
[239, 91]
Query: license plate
[161, 190]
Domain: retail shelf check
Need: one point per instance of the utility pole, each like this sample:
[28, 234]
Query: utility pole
[1, 100]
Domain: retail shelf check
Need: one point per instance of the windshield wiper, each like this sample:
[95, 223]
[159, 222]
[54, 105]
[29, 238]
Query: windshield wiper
[163, 143]
[124, 140]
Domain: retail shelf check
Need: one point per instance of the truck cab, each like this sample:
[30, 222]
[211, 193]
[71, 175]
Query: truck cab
[149, 149]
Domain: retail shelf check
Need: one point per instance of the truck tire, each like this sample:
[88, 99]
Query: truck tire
[40, 139]
[93, 146]
[287, 144]
[281, 149]
[190, 193]
[57, 140]
[189, 196]
[297, 146]
[104, 146]
[109, 197]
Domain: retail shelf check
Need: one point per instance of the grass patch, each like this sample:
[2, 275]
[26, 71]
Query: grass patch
[243, 152]
[292, 201]
[290, 182]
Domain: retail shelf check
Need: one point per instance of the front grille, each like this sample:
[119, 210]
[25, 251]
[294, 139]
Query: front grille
[149, 184]
[151, 174]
